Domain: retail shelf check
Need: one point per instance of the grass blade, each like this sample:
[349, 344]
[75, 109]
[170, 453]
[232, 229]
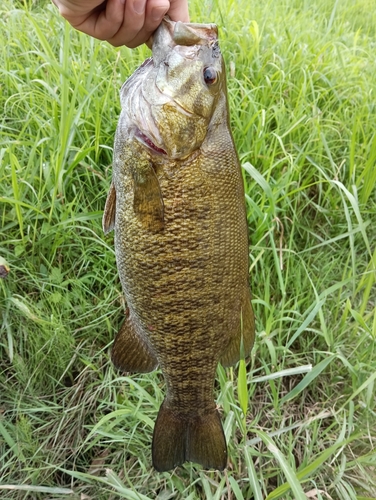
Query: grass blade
[36, 489]
[290, 475]
[308, 379]
[252, 476]
[307, 471]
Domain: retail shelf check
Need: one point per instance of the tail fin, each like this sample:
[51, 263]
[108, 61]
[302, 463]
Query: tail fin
[198, 438]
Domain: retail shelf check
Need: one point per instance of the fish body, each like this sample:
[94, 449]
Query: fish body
[177, 206]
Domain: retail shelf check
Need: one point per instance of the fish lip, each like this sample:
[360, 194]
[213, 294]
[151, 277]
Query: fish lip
[146, 141]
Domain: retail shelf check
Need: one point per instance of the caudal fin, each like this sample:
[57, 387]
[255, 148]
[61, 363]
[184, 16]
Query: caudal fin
[178, 438]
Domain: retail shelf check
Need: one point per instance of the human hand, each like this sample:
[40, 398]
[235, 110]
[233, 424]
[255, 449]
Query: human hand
[121, 22]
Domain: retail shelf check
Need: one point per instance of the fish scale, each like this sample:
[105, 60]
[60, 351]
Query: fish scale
[177, 207]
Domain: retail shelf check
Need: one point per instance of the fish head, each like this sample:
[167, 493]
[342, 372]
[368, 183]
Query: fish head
[180, 88]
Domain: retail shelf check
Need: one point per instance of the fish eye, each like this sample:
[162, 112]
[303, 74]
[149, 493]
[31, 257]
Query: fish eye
[210, 75]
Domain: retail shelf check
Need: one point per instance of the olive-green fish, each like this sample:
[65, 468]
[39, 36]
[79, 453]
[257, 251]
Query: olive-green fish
[177, 206]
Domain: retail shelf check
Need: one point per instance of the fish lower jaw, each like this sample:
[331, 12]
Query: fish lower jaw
[146, 141]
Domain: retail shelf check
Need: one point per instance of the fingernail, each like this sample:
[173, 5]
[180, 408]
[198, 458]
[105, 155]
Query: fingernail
[157, 13]
[139, 6]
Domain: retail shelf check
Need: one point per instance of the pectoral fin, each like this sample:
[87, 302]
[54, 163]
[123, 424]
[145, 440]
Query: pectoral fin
[147, 201]
[108, 221]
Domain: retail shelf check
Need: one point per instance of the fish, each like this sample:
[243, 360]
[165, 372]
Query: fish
[177, 205]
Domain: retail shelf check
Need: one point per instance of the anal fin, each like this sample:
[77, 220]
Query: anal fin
[130, 352]
[241, 344]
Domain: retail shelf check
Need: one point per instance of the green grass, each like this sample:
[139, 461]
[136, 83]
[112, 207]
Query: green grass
[302, 86]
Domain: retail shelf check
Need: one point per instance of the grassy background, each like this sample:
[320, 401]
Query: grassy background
[302, 85]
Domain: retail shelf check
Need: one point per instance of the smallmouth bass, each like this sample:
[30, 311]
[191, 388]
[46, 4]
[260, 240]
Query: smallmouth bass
[177, 205]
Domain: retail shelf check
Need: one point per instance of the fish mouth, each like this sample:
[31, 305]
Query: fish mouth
[146, 141]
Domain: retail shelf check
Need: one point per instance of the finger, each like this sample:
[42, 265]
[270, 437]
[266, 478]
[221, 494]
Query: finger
[133, 22]
[152, 18]
[77, 8]
[179, 11]
[156, 10]
[102, 24]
